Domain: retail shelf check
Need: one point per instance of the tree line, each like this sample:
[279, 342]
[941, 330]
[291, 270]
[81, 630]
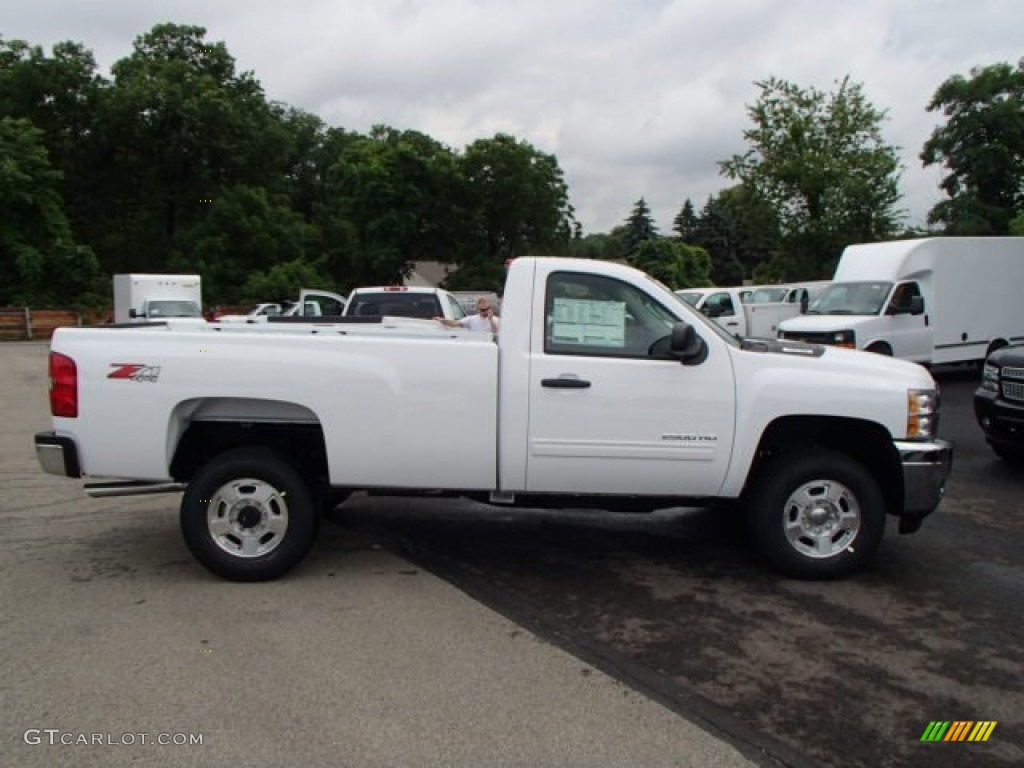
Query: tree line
[179, 163]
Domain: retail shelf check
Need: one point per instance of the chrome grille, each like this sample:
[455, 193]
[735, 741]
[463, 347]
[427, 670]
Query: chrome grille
[1013, 373]
[1013, 390]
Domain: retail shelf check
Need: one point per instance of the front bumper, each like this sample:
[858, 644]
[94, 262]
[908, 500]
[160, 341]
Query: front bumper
[57, 454]
[926, 466]
[1000, 420]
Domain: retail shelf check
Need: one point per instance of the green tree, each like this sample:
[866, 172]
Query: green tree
[686, 222]
[595, 246]
[284, 281]
[640, 228]
[395, 197]
[739, 231]
[676, 264]
[180, 124]
[819, 160]
[982, 148]
[245, 230]
[1017, 225]
[57, 93]
[40, 261]
[518, 204]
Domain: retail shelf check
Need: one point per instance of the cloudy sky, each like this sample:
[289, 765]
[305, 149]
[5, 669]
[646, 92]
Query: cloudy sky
[636, 98]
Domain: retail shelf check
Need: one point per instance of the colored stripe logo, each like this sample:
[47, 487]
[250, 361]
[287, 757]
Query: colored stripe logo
[958, 730]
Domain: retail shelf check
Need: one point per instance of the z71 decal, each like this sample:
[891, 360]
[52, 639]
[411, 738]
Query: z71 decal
[134, 372]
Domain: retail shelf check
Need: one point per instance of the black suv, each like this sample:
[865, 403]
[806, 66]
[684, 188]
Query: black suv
[999, 402]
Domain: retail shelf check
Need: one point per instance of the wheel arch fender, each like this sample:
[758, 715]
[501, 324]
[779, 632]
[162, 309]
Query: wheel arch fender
[869, 443]
[204, 427]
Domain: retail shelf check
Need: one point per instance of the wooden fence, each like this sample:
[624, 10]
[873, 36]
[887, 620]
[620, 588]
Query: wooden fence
[26, 323]
[21, 323]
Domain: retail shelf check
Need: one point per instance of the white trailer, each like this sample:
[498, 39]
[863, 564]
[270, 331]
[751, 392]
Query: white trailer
[140, 297]
[934, 300]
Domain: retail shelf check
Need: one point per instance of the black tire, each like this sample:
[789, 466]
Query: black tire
[816, 514]
[1009, 453]
[248, 515]
[880, 348]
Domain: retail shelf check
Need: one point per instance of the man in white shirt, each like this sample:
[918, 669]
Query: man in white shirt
[483, 320]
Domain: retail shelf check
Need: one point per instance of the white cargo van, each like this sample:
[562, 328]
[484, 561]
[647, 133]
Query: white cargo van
[934, 300]
[139, 297]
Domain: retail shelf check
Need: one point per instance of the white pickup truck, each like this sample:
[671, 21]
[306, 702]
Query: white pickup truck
[604, 390]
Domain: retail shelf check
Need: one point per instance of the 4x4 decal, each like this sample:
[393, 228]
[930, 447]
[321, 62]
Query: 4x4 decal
[134, 372]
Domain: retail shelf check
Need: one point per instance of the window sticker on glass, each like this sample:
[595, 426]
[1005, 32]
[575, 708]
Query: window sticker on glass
[589, 322]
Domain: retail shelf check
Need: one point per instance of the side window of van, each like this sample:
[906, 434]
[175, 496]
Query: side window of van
[902, 296]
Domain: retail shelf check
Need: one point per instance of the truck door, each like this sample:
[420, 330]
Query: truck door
[911, 334]
[721, 308]
[609, 414]
[317, 304]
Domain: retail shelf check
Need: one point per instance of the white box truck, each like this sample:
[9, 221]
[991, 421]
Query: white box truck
[138, 298]
[933, 301]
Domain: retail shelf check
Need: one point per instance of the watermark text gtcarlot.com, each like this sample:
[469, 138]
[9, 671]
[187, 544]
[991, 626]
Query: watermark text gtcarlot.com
[55, 737]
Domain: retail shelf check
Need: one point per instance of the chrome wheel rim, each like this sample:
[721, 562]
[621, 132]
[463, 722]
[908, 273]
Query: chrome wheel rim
[821, 518]
[247, 517]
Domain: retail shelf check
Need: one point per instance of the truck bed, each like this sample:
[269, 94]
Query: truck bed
[405, 392]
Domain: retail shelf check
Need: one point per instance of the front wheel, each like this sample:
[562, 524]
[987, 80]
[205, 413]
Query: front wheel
[1009, 453]
[248, 515]
[816, 516]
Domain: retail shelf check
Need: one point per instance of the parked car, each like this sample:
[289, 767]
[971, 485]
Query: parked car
[312, 303]
[268, 309]
[403, 301]
[999, 402]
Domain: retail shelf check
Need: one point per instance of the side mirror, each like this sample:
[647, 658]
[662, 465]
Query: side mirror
[917, 305]
[712, 310]
[686, 345]
[133, 313]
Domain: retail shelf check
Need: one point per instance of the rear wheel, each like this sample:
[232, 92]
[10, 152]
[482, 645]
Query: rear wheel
[1010, 453]
[819, 515]
[248, 515]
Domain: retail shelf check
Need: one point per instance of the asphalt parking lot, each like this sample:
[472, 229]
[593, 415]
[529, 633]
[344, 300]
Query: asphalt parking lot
[815, 674]
[120, 650]
[590, 639]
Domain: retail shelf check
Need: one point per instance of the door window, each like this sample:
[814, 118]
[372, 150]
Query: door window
[901, 298]
[600, 316]
[722, 302]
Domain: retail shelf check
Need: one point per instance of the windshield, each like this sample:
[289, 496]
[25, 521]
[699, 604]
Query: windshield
[396, 304]
[767, 295]
[865, 298]
[160, 308]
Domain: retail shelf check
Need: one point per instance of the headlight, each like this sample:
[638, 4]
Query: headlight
[922, 413]
[990, 378]
[845, 339]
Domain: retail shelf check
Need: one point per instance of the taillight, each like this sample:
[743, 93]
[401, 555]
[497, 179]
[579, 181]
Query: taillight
[63, 386]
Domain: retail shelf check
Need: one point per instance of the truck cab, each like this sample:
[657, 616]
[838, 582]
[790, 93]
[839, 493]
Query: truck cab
[723, 305]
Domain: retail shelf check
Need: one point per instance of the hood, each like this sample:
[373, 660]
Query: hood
[1012, 355]
[796, 358]
[822, 323]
